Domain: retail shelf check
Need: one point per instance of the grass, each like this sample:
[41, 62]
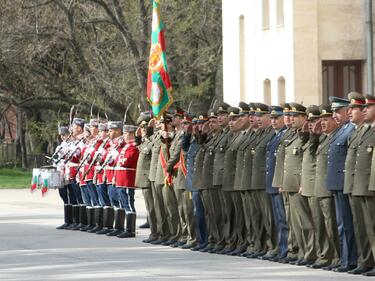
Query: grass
[15, 178]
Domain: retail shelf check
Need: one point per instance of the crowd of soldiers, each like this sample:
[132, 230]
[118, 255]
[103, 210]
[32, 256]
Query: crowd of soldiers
[286, 183]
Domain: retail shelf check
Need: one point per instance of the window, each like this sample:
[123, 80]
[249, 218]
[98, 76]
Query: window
[242, 57]
[341, 77]
[265, 14]
[280, 12]
[281, 90]
[267, 91]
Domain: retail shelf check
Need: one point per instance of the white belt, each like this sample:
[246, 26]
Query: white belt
[124, 169]
[72, 164]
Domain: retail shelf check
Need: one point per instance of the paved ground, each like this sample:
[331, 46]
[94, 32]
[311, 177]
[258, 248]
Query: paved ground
[32, 249]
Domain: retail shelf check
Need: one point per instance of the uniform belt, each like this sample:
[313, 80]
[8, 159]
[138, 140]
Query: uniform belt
[110, 168]
[124, 169]
[72, 164]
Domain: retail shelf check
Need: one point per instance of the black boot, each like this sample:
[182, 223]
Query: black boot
[68, 216]
[82, 218]
[119, 223]
[108, 219]
[90, 219]
[75, 213]
[130, 226]
[98, 220]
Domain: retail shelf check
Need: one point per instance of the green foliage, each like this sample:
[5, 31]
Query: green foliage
[15, 178]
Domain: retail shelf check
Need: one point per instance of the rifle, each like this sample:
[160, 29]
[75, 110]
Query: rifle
[95, 159]
[86, 157]
[110, 158]
[69, 155]
[51, 158]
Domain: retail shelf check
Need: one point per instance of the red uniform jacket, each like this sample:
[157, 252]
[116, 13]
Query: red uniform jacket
[126, 166]
[99, 174]
[73, 163]
[111, 157]
[92, 146]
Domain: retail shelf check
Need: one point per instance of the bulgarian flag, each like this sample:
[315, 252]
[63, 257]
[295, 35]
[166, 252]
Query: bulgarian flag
[34, 183]
[159, 88]
[45, 187]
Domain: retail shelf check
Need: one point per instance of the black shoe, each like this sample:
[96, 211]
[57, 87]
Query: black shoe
[158, 242]
[246, 254]
[178, 244]
[237, 252]
[187, 246]
[296, 262]
[287, 260]
[115, 232]
[370, 273]
[331, 267]
[168, 242]
[149, 240]
[95, 229]
[215, 250]
[126, 234]
[206, 249]
[257, 254]
[105, 231]
[225, 251]
[145, 225]
[318, 265]
[276, 258]
[344, 268]
[360, 270]
[198, 247]
[63, 226]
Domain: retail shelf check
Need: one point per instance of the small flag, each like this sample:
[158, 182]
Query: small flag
[159, 87]
[45, 187]
[34, 183]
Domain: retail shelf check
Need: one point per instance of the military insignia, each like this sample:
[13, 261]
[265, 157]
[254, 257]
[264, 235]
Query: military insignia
[324, 111]
[295, 150]
[210, 152]
[352, 101]
[221, 148]
[221, 108]
[369, 149]
[252, 151]
[273, 112]
[311, 115]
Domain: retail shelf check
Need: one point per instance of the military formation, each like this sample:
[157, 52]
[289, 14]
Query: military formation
[287, 183]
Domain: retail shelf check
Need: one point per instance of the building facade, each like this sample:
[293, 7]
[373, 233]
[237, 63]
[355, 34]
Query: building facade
[293, 50]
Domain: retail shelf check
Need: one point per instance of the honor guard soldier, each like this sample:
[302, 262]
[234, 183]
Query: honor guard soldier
[124, 180]
[356, 114]
[325, 225]
[145, 134]
[277, 123]
[337, 152]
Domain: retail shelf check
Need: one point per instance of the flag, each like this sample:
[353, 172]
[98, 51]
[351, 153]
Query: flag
[44, 187]
[34, 183]
[159, 87]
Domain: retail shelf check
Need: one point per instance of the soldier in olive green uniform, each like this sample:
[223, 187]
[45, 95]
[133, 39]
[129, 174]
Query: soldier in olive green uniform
[370, 200]
[278, 182]
[365, 259]
[162, 180]
[308, 213]
[242, 181]
[210, 194]
[142, 173]
[264, 223]
[157, 189]
[292, 177]
[326, 227]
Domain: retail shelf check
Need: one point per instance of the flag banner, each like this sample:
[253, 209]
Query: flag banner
[34, 183]
[45, 187]
[159, 87]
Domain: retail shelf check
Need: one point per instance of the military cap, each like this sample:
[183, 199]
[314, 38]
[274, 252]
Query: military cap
[286, 109]
[356, 99]
[87, 127]
[167, 116]
[370, 100]
[202, 117]
[115, 125]
[129, 128]
[222, 108]
[103, 127]
[63, 131]
[233, 111]
[244, 108]
[276, 111]
[337, 103]
[252, 107]
[79, 122]
[178, 112]
[188, 118]
[144, 118]
[297, 109]
[312, 112]
[211, 114]
[94, 122]
[325, 110]
[261, 109]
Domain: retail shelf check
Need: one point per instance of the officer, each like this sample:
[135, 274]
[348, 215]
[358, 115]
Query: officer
[210, 194]
[193, 138]
[144, 132]
[325, 225]
[124, 179]
[308, 212]
[356, 113]
[292, 177]
[162, 225]
[278, 182]
[165, 182]
[337, 151]
[370, 204]
[66, 193]
[277, 122]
